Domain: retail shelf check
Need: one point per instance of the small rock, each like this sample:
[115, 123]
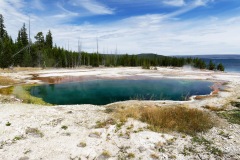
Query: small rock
[27, 151]
[94, 135]
[75, 158]
[55, 122]
[126, 136]
[24, 158]
[142, 149]
[103, 157]
[66, 134]
[69, 112]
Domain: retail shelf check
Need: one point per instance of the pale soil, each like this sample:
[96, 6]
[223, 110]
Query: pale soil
[36, 131]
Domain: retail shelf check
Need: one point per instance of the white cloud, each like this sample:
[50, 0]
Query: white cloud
[186, 7]
[18, 4]
[66, 13]
[189, 37]
[147, 33]
[176, 3]
[185, 3]
[13, 16]
[37, 4]
[92, 6]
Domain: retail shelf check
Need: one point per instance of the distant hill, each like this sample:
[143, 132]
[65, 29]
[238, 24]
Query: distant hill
[141, 55]
[149, 55]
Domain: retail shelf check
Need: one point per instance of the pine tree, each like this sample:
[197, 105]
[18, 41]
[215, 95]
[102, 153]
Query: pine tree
[22, 41]
[40, 44]
[6, 55]
[220, 67]
[4, 44]
[49, 40]
[39, 39]
[2, 27]
[24, 35]
[211, 65]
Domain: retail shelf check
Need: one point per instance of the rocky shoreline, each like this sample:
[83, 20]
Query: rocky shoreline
[30, 131]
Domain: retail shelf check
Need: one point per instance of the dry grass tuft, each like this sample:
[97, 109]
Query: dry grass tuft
[5, 81]
[17, 69]
[27, 69]
[204, 97]
[179, 119]
[102, 124]
[165, 119]
[215, 109]
[131, 112]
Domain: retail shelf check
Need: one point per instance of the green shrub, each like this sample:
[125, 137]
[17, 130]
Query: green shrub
[64, 127]
[8, 124]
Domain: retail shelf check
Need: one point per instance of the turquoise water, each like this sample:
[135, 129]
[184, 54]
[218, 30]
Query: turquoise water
[101, 92]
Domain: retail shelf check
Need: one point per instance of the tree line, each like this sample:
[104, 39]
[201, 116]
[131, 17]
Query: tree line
[22, 52]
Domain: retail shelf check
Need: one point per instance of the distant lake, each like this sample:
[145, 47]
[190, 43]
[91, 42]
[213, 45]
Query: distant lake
[101, 92]
[231, 65]
[230, 62]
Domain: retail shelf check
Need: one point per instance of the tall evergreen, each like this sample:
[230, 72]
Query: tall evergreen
[39, 40]
[211, 65]
[2, 26]
[3, 43]
[49, 40]
[220, 67]
[40, 45]
[22, 42]
[24, 35]
[6, 59]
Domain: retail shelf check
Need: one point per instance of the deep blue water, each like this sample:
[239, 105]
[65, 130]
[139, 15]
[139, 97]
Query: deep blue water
[101, 92]
[231, 65]
[230, 62]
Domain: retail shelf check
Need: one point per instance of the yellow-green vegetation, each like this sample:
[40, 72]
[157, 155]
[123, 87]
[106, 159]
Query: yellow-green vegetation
[131, 155]
[106, 154]
[102, 124]
[82, 144]
[235, 104]
[154, 156]
[208, 145]
[164, 119]
[119, 126]
[17, 138]
[22, 92]
[226, 135]
[188, 150]
[6, 90]
[6, 81]
[34, 131]
[232, 116]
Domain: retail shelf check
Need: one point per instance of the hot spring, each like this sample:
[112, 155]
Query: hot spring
[101, 92]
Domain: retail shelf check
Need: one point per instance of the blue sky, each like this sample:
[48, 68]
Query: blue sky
[167, 27]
